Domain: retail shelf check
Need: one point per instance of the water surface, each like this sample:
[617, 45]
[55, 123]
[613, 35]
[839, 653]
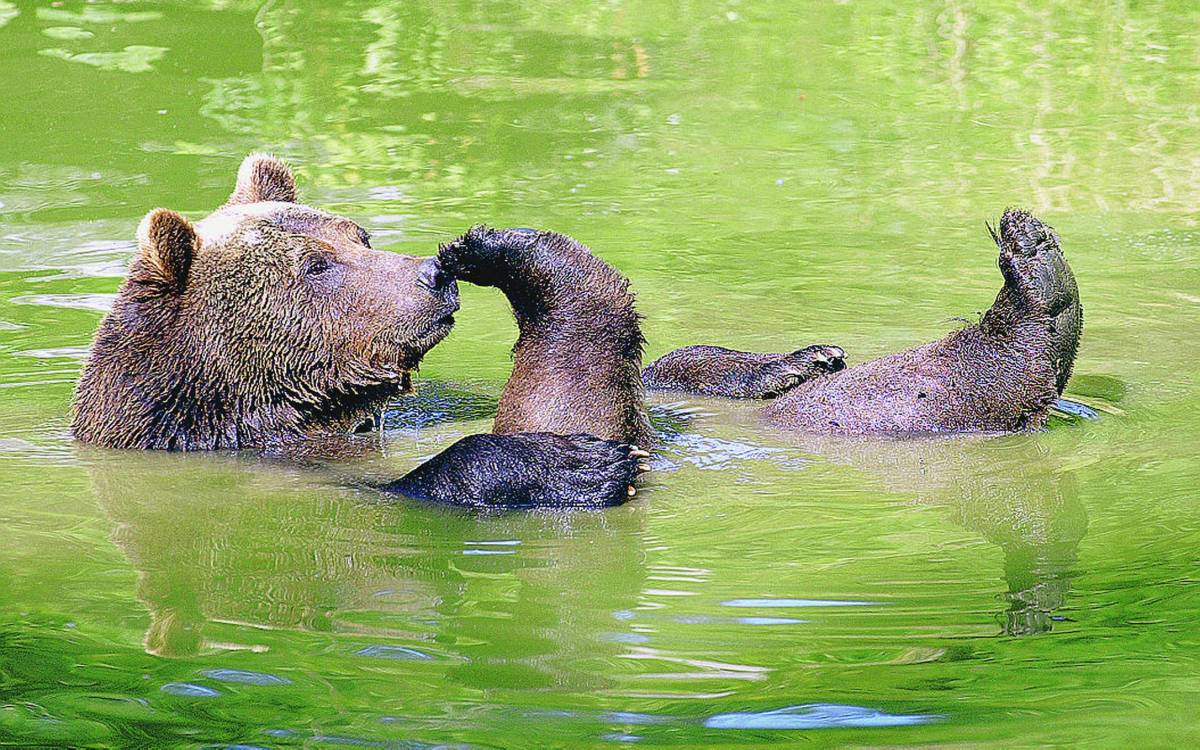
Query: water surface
[769, 175]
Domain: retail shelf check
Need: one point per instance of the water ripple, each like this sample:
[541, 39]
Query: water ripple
[816, 716]
[243, 677]
[796, 603]
[378, 651]
[190, 690]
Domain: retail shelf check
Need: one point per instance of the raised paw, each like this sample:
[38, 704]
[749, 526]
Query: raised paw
[492, 257]
[1033, 263]
[1039, 291]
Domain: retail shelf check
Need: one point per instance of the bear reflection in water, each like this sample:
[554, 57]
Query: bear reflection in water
[1008, 489]
[230, 548]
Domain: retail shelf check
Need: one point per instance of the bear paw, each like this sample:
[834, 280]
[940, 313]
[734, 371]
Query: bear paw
[532, 469]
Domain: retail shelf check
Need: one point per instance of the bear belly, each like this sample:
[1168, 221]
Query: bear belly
[939, 387]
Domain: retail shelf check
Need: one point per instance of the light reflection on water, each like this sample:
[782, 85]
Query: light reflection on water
[768, 176]
[815, 716]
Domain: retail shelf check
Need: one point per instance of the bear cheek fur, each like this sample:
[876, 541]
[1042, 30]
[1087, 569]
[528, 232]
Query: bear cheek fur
[333, 345]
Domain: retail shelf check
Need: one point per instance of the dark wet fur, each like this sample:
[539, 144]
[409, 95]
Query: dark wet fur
[526, 470]
[717, 371]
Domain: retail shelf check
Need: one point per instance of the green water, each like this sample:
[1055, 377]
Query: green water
[769, 177]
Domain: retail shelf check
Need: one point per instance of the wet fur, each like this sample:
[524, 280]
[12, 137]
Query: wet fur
[224, 334]
[717, 371]
[525, 470]
[577, 360]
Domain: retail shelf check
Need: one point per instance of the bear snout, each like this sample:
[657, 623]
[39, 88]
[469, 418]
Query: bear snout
[432, 276]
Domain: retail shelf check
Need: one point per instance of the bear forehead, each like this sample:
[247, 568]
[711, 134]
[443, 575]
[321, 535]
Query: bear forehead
[239, 221]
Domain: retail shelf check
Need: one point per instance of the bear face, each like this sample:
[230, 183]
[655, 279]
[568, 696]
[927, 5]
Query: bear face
[266, 321]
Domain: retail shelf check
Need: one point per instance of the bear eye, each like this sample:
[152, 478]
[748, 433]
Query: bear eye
[315, 265]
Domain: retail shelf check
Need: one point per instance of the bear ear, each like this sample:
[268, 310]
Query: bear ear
[167, 243]
[262, 177]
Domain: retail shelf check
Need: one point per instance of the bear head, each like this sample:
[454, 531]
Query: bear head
[266, 321]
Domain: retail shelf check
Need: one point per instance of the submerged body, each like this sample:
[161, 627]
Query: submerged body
[1000, 375]
[717, 371]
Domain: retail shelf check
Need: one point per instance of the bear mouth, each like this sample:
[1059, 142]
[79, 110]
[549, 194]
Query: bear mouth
[405, 350]
[438, 330]
[431, 335]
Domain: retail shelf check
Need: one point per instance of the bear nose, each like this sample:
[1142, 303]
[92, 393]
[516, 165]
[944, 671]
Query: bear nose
[431, 275]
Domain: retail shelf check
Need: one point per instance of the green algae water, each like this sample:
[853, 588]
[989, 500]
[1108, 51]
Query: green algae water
[769, 175]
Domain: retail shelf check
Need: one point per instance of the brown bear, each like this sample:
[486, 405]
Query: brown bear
[1000, 375]
[270, 321]
[577, 359]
